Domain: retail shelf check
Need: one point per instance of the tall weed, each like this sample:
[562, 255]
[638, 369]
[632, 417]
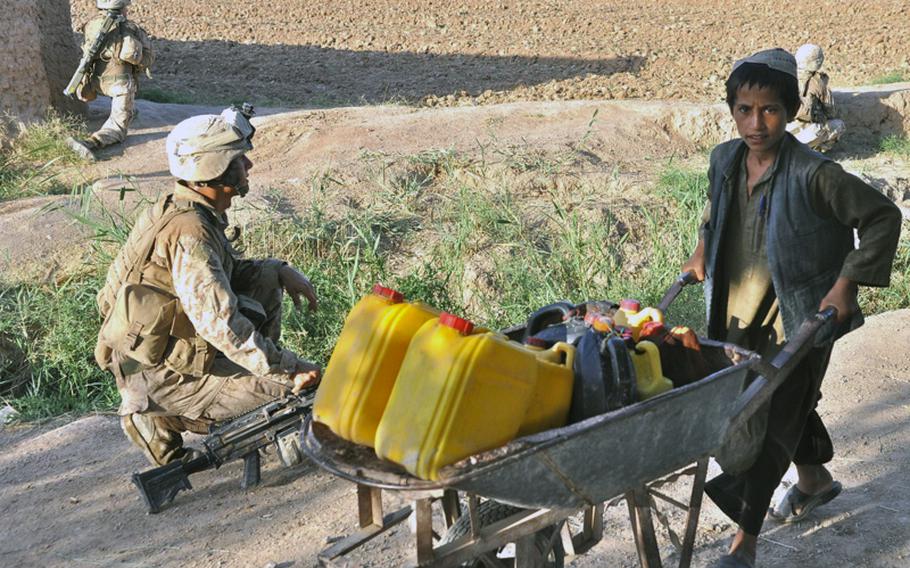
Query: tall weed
[35, 159]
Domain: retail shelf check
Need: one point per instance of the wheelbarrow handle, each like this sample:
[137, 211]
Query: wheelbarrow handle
[763, 387]
[681, 282]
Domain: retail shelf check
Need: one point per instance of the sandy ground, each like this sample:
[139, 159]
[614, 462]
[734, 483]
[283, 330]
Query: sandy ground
[66, 499]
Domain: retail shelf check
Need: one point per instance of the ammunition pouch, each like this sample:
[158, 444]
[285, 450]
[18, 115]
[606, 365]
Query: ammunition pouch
[148, 325]
[130, 50]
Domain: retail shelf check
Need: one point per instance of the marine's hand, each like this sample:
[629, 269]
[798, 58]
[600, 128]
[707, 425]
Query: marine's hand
[696, 262]
[305, 379]
[843, 297]
[296, 284]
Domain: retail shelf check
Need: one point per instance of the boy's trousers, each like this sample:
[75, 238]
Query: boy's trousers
[795, 434]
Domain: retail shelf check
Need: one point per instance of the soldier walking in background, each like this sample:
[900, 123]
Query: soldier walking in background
[815, 123]
[114, 53]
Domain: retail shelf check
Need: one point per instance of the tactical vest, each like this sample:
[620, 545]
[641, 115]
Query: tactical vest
[143, 318]
[805, 252]
[126, 52]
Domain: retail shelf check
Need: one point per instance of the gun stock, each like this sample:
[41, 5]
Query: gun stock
[160, 485]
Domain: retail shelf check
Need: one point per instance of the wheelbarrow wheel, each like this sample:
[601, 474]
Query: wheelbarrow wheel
[489, 512]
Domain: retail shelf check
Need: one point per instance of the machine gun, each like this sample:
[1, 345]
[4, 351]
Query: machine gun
[111, 19]
[275, 423]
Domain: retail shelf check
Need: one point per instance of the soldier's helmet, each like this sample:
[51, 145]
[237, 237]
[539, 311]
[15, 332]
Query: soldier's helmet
[202, 147]
[112, 4]
[809, 57]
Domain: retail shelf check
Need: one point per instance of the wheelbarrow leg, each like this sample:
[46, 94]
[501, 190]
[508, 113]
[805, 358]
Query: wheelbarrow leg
[451, 508]
[643, 528]
[698, 491]
[372, 524]
[424, 519]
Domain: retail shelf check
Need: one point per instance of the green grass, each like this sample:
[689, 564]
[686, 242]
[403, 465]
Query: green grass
[47, 335]
[891, 77]
[33, 162]
[459, 233]
[897, 145]
[897, 295]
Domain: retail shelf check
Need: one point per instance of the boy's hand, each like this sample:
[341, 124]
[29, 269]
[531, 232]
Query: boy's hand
[843, 297]
[696, 262]
[296, 284]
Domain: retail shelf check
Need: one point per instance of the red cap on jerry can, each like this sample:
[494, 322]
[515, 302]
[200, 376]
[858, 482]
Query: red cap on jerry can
[394, 295]
[463, 326]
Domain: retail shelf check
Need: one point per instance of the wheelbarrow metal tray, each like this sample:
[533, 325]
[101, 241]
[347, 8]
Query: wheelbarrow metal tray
[604, 456]
[578, 465]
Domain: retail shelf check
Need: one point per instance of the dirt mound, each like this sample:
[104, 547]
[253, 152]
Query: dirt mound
[634, 138]
[443, 53]
[67, 499]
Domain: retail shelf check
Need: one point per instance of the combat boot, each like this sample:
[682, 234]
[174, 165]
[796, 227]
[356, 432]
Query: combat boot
[82, 148]
[160, 444]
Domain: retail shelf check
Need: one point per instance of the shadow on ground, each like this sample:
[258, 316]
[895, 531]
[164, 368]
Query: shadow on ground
[309, 76]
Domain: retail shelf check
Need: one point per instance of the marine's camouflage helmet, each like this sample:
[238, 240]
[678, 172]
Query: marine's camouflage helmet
[809, 57]
[112, 4]
[202, 147]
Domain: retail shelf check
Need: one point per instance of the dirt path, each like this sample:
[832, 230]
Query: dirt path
[66, 499]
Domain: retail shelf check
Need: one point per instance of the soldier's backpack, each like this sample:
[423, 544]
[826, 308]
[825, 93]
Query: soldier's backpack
[136, 47]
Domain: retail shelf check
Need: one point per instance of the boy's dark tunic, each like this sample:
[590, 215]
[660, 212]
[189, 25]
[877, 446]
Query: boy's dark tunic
[744, 308]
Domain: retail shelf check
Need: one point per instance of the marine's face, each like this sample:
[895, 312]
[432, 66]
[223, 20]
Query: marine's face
[227, 192]
[761, 118]
[245, 166]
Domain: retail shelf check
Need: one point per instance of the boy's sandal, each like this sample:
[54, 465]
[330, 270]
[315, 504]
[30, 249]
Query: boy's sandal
[796, 505]
[732, 561]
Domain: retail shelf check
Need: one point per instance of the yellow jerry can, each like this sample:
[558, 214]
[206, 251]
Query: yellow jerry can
[649, 375]
[362, 370]
[460, 391]
[549, 406]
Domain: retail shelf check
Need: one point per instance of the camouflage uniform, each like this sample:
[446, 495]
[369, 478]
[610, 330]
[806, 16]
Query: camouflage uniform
[228, 309]
[815, 124]
[114, 73]
[233, 303]
[114, 78]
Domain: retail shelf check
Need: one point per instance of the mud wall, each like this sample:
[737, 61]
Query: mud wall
[38, 54]
[872, 113]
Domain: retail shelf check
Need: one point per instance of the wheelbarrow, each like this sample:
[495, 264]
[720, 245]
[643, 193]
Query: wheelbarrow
[534, 484]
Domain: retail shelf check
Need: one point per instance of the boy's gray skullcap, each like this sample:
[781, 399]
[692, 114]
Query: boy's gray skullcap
[777, 59]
